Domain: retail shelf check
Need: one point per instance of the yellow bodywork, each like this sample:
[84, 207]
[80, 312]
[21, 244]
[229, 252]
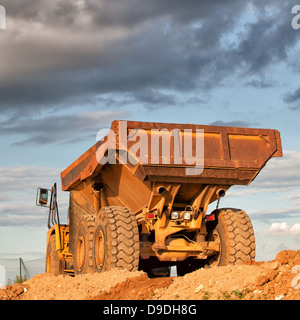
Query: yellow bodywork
[62, 243]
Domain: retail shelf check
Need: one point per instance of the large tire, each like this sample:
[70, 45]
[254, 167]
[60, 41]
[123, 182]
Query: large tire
[83, 251]
[53, 264]
[116, 240]
[235, 233]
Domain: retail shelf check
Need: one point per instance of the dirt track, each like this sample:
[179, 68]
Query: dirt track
[276, 279]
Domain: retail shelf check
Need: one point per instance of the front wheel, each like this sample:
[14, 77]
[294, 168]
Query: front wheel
[53, 264]
[234, 232]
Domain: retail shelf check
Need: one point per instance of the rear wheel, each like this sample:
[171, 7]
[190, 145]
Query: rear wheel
[116, 240]
[53, 264]
[234, 231]
[83, 261]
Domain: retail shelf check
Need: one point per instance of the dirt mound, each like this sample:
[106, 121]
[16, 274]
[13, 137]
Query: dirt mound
[46, 286]
[257, 281]
[281, 277]
[137, 288]
[13, 292]
[277, 279]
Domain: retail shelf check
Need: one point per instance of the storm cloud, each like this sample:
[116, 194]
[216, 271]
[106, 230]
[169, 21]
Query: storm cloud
[293, 99]
[57, 54]
[59, 128]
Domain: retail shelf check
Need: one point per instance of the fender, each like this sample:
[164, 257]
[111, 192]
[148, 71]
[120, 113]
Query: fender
[60, 233]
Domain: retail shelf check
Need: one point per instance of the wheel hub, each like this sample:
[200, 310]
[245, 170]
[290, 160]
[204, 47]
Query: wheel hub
[214, 260]
[99, 249]
[80, 253]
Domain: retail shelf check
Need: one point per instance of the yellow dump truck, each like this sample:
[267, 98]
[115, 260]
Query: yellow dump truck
[135, 207]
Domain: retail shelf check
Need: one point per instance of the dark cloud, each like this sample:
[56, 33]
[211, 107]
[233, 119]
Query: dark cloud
[236, 123]
[44, 129]
[57, 54]
[260, 84]
[107, 13]
[293, 98]
[277, 214]
[152, 97]
[23, 181]
[266, 40]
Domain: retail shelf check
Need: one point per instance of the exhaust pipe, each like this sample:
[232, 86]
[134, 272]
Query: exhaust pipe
[161, 190]
[221, 193]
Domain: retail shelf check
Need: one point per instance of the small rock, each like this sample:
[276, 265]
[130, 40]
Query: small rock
[199, 288]
[156, 291]
[279, 297]
[257, 291]
[297, 260]
[273, 265]
[285, 255]
[261, 280]
[267, 275]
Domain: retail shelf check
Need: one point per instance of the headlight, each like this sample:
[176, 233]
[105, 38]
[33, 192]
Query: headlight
[174, 215]
[186, 216]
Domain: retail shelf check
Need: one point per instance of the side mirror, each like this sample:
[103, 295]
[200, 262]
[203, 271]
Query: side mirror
[42, 197]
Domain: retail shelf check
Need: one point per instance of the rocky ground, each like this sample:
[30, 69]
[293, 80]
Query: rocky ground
[272, 280]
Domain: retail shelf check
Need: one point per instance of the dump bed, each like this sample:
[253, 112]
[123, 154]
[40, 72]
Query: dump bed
[232, 155]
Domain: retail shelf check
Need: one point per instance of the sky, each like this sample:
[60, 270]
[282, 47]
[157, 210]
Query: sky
[70, 67]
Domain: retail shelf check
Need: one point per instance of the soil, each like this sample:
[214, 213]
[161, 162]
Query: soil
[278, 279]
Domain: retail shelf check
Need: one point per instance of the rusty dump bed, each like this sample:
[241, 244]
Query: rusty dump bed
[232, 155]
[154, 185]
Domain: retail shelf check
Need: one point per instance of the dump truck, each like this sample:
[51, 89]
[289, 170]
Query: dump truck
[139, 198]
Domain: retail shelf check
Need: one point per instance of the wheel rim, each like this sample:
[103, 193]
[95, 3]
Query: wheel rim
[80, 253]
[214, 260]
[99, 249]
